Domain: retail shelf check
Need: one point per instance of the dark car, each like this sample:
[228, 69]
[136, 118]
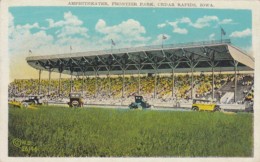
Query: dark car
[76, 100]
[32, 100]
[249, 107]
[139, 103]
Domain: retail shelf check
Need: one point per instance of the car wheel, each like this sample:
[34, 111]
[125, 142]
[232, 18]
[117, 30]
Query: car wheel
[131, 106]
[195, 108]
[25, 105]
[81, 104]
[217, 108]
[75, 104]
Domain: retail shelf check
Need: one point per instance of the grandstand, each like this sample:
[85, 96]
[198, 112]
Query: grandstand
[203, 88]
[116, 75]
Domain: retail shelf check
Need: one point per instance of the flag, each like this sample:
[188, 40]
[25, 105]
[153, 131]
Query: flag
[223, 31]
[164, 37]
[30, 51]
[113, 43]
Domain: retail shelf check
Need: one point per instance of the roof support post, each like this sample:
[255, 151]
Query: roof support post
[139, 80]
[39, 82]
[173, 66]
[96, 88]
[213, 64]
[193, 64]
[60, 85]
[82, 83]
[86, 84]
[123, 85]
[109, 82]
[49, 84]
[235, 93]
[59, 90]
[192, 79]
[71, 81]
[173, 86]
[139, 68]
[155, 83]
[213, 80]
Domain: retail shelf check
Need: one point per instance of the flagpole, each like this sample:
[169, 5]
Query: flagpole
[163, 37]
[30, 52]
[111, 48]
[162, 41]
[221, 34]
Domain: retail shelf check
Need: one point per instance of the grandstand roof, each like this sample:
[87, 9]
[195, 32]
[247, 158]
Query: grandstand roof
[180, 57]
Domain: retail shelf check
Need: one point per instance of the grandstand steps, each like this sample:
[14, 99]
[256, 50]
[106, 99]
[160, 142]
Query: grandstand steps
[228, 96]
[229, 87]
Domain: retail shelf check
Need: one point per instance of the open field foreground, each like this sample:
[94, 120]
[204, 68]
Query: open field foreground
[99, 132]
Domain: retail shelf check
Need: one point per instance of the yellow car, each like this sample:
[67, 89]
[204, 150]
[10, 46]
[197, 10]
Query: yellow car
[204, 105]
[22, 105]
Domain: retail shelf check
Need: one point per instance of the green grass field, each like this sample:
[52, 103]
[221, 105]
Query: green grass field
[65, 132]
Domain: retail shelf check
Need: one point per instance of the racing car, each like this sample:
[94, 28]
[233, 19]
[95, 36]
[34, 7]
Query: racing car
[139, 103]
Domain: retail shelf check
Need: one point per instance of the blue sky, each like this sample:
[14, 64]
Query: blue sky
[52, 30]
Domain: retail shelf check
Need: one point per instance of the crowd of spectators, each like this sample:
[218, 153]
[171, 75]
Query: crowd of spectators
[110, 89]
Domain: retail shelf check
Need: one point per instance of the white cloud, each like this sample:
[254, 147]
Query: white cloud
[10, 25]
[68, 27]
[69, 31]
[129, 32]
[28, 26]
[212, 36]
[126, 27]
[185, 20]
[177, 29]
[202, 22]
[240, 34]
[69, 19]
[100, 26]
[161, 25]
[59, 35]
[180, 30]
[21, 40]
[226, 21]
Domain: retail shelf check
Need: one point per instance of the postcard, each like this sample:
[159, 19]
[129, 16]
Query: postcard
[129, 80]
